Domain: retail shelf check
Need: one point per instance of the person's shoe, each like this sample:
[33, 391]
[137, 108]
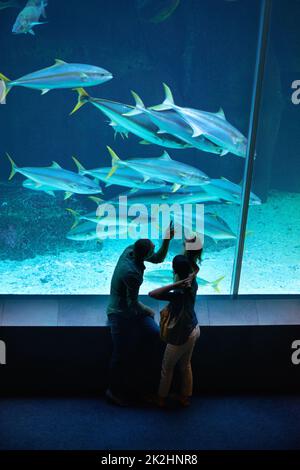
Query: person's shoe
[114, 399]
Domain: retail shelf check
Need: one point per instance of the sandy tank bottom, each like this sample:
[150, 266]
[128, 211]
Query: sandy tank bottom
[270, 265]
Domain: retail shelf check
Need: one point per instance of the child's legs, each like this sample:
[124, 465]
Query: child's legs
[185, 364]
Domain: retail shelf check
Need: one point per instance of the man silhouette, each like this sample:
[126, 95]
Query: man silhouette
[135, 334]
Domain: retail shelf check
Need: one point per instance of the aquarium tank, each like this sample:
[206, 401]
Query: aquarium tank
[150, 101]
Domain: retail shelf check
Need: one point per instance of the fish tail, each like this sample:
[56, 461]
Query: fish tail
[114, 162]
[14, 167]
[81, 169]
[5, 88]
[215, 284]
[82, 99]
[76, 216]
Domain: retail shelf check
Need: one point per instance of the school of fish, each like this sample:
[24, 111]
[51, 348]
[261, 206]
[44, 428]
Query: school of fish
[157, 180]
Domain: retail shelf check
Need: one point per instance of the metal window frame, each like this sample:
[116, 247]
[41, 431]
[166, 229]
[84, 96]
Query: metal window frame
[262, 45]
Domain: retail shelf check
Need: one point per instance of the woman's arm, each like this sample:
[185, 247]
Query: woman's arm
[161, 291]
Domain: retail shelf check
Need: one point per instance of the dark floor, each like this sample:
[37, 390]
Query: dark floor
[234, 422]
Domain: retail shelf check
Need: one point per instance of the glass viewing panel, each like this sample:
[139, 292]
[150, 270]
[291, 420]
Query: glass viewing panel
[205, 54]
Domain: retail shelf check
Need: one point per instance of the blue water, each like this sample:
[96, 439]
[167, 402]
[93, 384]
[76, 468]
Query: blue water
[205, 51]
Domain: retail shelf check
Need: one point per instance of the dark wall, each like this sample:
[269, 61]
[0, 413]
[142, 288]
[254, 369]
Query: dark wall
[75, 360]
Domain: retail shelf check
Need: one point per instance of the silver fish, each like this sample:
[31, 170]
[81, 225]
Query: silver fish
[125, 177]
[139, 125]
[88, 231]
[213, 225]
[58, 178]
[169, 170]
[165, 196]
[228, 191]
[174, 124]
[58, 76]
[108, 219]
[29, 184]
[165, 276]
[213, 126]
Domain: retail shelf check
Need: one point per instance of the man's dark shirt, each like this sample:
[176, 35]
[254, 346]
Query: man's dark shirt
[126, 281]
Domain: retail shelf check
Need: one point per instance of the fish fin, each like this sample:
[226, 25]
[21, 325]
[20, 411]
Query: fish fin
[134, 112]
[168, 102]
[60, 62]
[96, 199]
[165, 156]
[4, 78]
[145, 142]
[146, 179]
[44, 91]
[84, 75]
[133, 190]
[224, 179]
[31, 32]
[161, 131]
[224, 152]
[76, 216]
[114, 162]
[107, 185]
[14, 167]
[168, 95]
[5, 88]
[67, 195]
[37, 23]
[137, 99]
[215, 284]
[82, 99]
[139, 105]
[55, 165]
[160, 107]
[175, 187]
[51, 193]
[221, 114]
[112, 171]
[197, 131]
[80, 167]
[113, 155]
